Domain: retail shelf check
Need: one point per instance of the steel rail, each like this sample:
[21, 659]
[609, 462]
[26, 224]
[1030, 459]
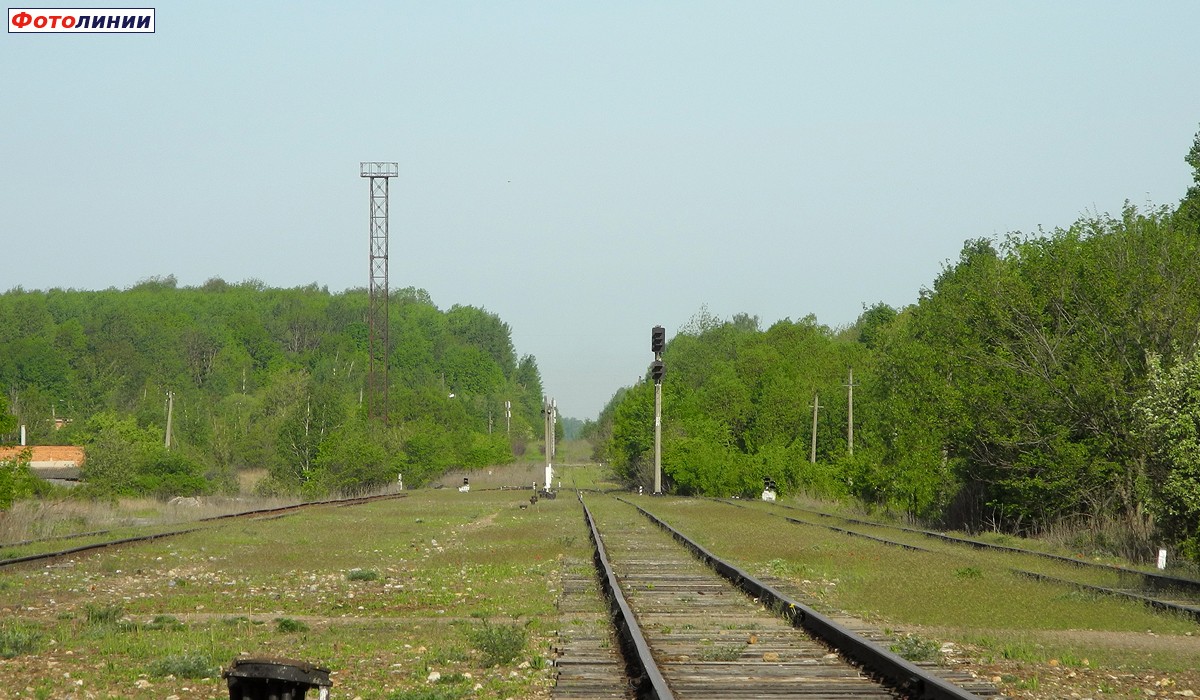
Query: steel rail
[1164, 605]
[278, 511]
[1154, 580]
[643, 670]
[1186, 610]
[907, 677]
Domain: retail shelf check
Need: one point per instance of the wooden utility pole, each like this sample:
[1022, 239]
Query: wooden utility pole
[816, 405]
[170, 413]
[850, 418]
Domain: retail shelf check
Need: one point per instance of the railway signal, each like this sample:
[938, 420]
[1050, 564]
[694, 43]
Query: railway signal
[658, 341]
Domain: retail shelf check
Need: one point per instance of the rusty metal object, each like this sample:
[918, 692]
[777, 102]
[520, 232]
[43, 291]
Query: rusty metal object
[275, 679]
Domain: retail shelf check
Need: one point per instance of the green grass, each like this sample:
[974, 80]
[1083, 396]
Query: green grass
[954, 593]
[450, 565]
[19, 638]
[286, 625]
[443, 562]
[185, 666]
[362, 575]
[725, 652]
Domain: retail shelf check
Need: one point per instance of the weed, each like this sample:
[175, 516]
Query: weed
[446, 655]
[499, 644]
[913, 648]
[969, 572]
[165, 622]
[438, 692]
[184, 666]
[17, 638]
[723, 653]
[287, 625]
[362, 575]
[1021, 651]
[103, 615]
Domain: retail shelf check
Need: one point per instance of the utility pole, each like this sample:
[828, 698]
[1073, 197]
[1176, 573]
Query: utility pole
[658, 341]
[816, 405]
[170, 413]
[850, 418]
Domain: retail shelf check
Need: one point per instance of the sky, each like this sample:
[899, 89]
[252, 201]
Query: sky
[587, 170]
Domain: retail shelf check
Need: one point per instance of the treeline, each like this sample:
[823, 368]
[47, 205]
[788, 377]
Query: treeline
[1041, 379]
[259, 378]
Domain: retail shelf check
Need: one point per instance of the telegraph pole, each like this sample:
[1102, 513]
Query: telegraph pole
[850, 418]
[170, 414]
[816, 405]
[658, 341]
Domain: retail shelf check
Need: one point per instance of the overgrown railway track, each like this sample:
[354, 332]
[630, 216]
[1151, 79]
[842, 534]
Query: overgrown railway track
[7, 559]
[691, 625]
[1172, 594]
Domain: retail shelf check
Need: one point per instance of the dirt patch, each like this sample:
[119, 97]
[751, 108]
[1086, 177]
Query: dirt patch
[481, 523]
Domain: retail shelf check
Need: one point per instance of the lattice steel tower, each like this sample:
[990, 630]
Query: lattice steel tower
[378, 347]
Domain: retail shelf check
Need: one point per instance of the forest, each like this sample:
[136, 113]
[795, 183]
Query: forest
[255, 378]
[1041, 380]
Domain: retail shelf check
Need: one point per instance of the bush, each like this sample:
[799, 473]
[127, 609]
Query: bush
[499, 644]
[287, 625]
[16, 480]
[914, 648]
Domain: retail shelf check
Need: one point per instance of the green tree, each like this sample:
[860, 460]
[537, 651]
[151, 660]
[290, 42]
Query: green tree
[8, 422]
[1169, 421]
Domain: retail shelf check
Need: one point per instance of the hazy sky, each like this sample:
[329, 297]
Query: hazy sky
[587, 170]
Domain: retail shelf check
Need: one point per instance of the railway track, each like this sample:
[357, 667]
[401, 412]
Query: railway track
[1170, 594]
[260, 513]
[690, 625]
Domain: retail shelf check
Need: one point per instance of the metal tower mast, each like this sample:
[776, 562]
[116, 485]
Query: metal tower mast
[377, 310]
